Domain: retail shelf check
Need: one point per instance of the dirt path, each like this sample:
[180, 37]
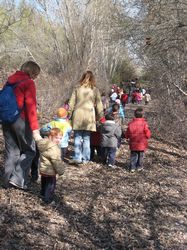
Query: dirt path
[98, 208]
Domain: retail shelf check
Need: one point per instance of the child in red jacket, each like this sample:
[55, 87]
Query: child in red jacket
[138, 134]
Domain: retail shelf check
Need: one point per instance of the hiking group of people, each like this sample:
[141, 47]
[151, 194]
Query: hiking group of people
[132, 92]
[95, 121]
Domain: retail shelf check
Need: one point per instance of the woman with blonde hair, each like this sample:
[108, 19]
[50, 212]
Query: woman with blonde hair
[85, 107]
[19, 136]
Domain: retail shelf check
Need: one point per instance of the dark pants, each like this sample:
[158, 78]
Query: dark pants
[109, 155]
[63, 153]
[93, 148]
[20, 150]
[35, 166]
[119, 143]
[48, 184]
[136, 159]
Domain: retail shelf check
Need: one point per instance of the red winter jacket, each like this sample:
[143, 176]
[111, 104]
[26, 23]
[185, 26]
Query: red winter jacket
[138, 134]
[25, 94]
[124, 99]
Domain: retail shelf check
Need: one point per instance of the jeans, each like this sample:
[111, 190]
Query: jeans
[109, 155]
[20, 150]
[48, 184]
[136, 159]
[81, 145]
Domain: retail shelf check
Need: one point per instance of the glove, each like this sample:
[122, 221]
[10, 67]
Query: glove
[36, 135]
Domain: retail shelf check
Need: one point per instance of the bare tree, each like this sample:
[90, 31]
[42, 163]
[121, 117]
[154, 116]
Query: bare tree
[159, 37]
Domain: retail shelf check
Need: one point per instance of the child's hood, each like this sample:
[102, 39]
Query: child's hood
[108, 126]
[45, 144]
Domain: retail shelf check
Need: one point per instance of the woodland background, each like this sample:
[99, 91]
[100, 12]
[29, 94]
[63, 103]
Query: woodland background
[116, 39]
[99, 208]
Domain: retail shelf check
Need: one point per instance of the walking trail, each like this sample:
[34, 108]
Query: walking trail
[99, 208]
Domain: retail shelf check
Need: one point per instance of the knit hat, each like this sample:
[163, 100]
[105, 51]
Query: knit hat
[62, 113]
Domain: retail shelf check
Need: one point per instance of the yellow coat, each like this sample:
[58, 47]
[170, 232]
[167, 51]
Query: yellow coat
[50, 158]
[85, 106]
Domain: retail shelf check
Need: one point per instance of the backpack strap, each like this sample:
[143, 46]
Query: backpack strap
[14, 85]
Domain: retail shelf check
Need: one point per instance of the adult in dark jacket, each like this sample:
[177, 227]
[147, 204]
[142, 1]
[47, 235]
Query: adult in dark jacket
[19, 136]
[111, 132]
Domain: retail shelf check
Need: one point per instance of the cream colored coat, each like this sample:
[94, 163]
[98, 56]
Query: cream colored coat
[85, 107]
[50, 158]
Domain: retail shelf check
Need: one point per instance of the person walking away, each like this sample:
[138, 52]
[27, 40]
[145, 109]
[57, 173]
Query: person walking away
[133, 85]
[138, 134]
[143, 91]
[139, 97]
[111, 132]
[119, 117]
[115, 112]
[19, 136]
[124, 98]
[134, 97]
[113, 97]
[50, 163]
[61, 122]
[121, 111]
[85, 107]
[147, 98]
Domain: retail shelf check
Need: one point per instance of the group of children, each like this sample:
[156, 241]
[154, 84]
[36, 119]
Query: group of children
[105, 141]
[21, 130]
[135, 94]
